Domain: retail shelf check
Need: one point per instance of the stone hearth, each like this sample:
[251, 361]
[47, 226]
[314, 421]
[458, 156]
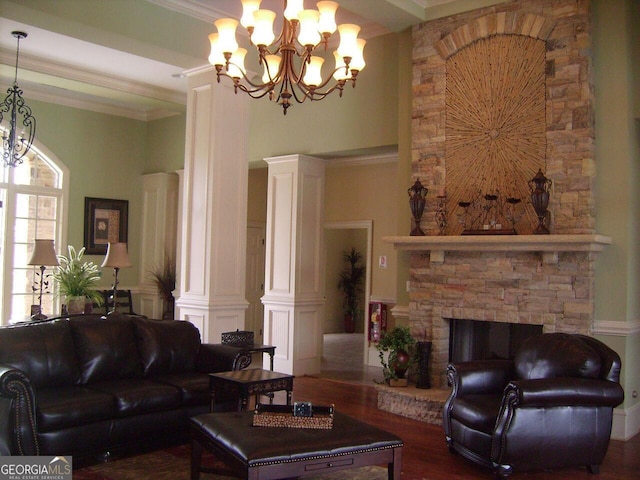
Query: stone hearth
[424, 405]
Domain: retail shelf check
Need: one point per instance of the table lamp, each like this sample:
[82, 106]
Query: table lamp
[44, 255]
[116, 258]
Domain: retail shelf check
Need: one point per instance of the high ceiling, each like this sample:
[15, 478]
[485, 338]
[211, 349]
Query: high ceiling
[127, 57]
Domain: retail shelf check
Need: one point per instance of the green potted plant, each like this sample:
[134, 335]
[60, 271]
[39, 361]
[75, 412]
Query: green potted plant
[76, 280]
[398, 343]
[165, 281]
[350, 284]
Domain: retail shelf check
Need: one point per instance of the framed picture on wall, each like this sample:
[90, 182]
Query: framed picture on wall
[105, 221]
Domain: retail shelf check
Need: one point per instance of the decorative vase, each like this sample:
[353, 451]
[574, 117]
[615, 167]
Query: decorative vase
[349, 323]
[539, 186]
[75, 304]
[400, 363]
[417, 194]
[424, 353]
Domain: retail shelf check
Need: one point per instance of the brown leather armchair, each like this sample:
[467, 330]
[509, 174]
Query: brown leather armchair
[549, 407]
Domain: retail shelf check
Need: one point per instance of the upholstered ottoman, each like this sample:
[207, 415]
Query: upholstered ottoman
[281, 452]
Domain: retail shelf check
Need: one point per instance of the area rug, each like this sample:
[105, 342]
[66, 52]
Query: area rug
[174, 464]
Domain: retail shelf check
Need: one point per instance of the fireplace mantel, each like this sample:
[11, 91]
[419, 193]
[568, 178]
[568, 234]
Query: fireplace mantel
[548, 245]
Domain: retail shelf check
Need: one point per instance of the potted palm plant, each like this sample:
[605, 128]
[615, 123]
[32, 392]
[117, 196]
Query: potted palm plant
[350, 284]
[76, 280]
[398, 343]
[165, 281]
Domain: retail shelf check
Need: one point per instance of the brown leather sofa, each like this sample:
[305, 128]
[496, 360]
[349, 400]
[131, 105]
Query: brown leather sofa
[549, 407]
[92, 386]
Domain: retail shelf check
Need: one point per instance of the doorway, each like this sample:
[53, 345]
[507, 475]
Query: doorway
[341, 237]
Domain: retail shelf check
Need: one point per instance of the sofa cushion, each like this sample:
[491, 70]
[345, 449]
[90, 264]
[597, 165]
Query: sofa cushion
[106, 348]
[65, 407]
[553, 355]
[167, 346]
[193, 386]
[137, 396]
[43, 351]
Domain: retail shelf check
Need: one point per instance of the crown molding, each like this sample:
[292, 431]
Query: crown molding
[360, 160]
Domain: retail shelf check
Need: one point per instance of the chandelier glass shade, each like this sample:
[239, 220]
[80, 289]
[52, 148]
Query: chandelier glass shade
[18, 123]
[291, 68]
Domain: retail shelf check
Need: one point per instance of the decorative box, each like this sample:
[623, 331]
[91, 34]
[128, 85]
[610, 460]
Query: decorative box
[238, 338]
[283, 416]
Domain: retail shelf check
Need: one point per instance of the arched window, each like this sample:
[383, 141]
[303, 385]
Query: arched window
[33, 198]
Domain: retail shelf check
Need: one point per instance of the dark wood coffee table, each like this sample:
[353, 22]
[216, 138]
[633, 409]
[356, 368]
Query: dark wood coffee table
[244, 383]
[268, 453]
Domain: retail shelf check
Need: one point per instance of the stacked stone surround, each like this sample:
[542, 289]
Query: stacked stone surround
[516, 287]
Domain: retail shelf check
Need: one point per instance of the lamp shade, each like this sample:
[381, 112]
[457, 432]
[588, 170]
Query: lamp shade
[117, 256]
[43, 253]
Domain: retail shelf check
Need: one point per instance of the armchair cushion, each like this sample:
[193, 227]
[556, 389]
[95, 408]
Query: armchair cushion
[478, 411]
[557, 355]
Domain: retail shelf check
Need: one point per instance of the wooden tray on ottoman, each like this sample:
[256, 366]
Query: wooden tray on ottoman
[282, 416]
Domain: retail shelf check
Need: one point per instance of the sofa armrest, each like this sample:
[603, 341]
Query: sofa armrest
[479, 377]
[17, 413]
[553, 392]
[218, 357]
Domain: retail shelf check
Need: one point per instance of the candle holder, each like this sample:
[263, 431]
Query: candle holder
[441, 213]
[540, 186]
[417, 195]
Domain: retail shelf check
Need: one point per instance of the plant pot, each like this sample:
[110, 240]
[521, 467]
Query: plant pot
[349, 323]
[76, 304]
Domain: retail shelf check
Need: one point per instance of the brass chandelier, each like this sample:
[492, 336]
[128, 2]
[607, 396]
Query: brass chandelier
[290, 68]
[15, 145]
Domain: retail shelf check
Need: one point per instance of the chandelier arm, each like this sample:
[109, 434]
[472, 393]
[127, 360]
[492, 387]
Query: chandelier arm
[252, 92]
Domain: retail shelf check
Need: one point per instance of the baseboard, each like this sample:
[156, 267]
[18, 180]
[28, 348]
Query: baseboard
[626, 422]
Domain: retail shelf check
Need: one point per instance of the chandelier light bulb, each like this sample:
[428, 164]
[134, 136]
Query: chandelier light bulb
[327, 21]
[216, 57]
[357, 61]
[248, 7]
[236, 63]
[294, 7]
[227, 34]
[309, 34]
[313, 76]
[348, 40]
[263, 27]
[341, 72]
[269, 75]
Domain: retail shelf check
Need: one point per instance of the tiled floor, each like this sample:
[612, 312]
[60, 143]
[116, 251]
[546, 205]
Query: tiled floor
[342, 359]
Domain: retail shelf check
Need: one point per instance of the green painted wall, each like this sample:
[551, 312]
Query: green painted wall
[615, 38]
[366, 116]
[166, 141]
[105, 156]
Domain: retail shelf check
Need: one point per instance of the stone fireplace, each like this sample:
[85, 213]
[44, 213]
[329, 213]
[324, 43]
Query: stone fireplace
[545, 280]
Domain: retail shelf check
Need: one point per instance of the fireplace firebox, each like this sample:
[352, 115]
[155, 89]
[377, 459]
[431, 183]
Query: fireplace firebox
[481, 340]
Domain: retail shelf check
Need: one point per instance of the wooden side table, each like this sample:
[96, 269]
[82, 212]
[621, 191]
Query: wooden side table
[244, 383]
[257, 348]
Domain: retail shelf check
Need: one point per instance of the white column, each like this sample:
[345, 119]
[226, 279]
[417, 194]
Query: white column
[294, 279]
[159, 231]
[214, 209]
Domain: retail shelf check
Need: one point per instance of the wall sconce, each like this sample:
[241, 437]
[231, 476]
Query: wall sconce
[116, 258]
[44, 254]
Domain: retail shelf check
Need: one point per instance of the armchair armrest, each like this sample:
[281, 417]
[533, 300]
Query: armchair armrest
[551, 392]
[17, 413]
[218, 357]
[479, 377]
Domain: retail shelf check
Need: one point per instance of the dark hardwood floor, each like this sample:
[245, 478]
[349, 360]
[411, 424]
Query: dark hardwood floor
[425, 454]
